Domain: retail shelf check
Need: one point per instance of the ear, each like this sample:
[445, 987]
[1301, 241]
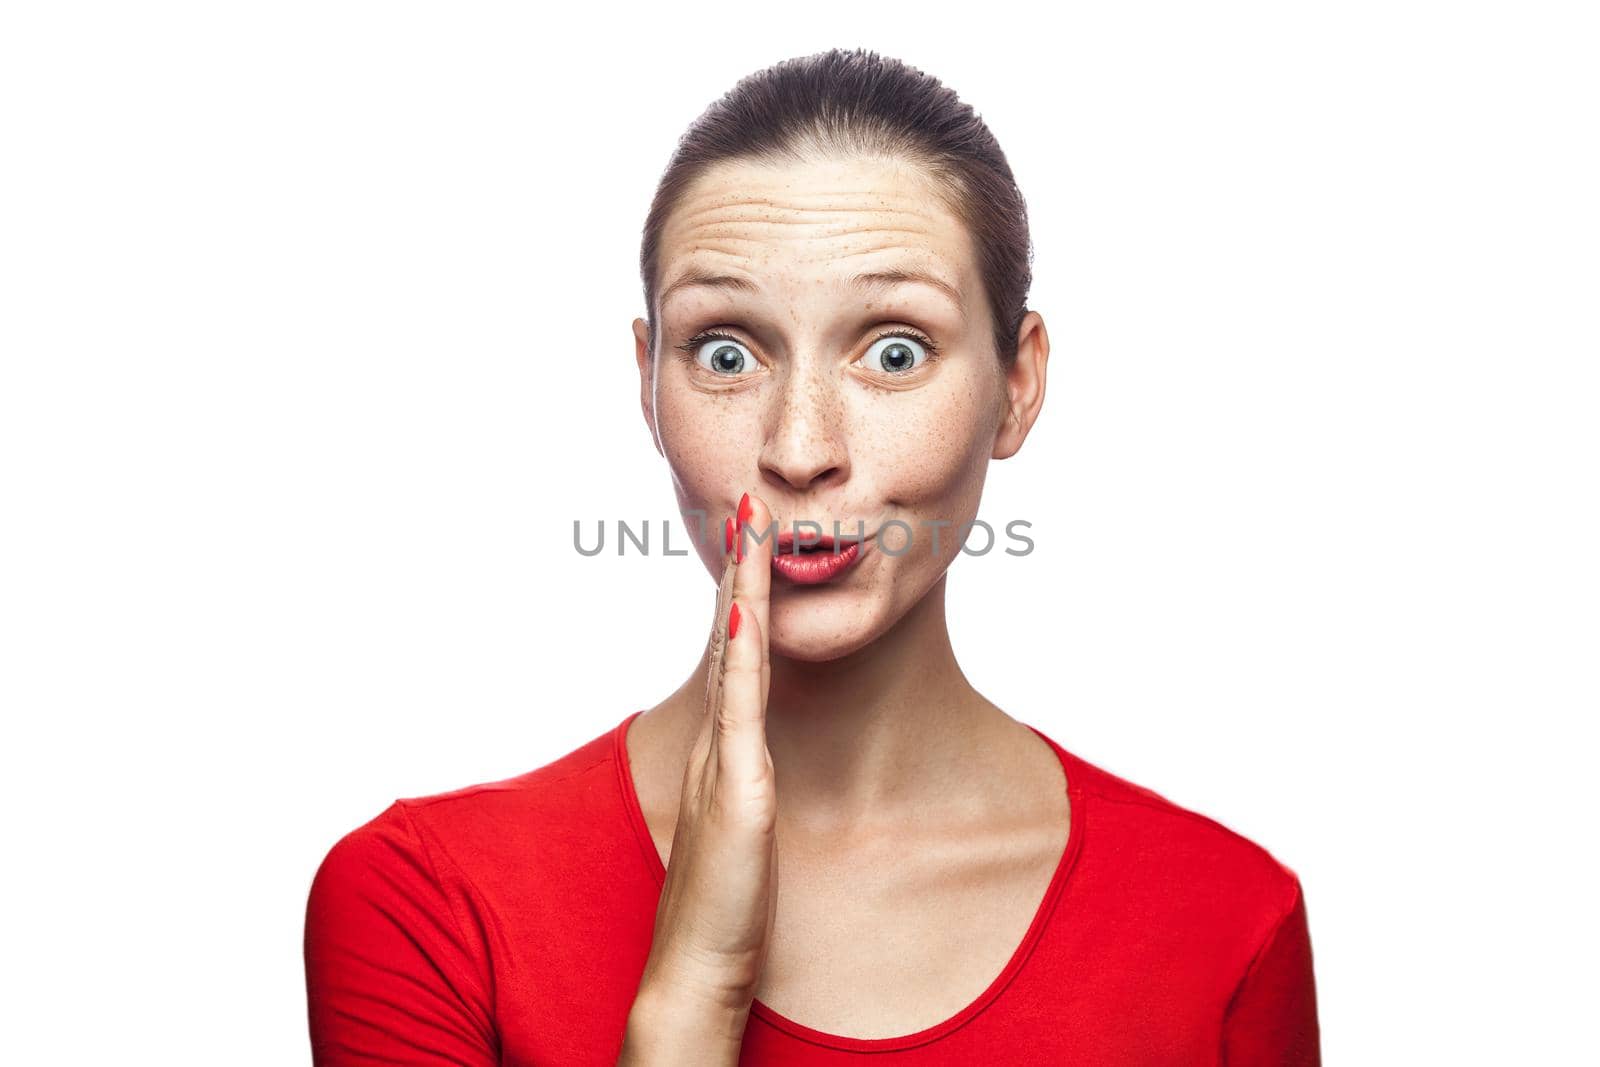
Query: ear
[647, 394]
[1024, 386]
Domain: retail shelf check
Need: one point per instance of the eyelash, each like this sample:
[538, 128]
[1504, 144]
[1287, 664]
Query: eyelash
[691, 347]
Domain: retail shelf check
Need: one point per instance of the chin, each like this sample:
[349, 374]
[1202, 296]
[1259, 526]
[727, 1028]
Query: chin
[814, 638]
[828, 629]
[820, 651]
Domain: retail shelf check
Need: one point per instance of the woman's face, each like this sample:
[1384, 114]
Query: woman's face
[845, 385]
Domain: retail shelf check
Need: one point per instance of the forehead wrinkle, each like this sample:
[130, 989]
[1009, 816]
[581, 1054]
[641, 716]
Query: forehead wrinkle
[792, 231]
[746, 246]
[698, 275]
[774, 215]
[735, 208]
[779, 199]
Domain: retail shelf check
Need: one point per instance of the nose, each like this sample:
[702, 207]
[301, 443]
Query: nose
[805, 446]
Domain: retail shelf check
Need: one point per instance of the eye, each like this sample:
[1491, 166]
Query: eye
[719, 354]
[897, 353]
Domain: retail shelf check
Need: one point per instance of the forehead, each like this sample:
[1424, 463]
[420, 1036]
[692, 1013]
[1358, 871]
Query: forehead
[858, 225]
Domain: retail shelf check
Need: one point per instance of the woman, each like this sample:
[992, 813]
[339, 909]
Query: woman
[826, 844]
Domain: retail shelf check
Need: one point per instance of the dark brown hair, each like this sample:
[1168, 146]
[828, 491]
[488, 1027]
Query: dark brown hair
[858, 102]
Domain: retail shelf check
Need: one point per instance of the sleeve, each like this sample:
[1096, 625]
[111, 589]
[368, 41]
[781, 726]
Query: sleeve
[1272, 1019]
[390, 978]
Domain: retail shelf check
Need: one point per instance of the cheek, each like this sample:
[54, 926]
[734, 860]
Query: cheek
[703, 438]
[926, 449]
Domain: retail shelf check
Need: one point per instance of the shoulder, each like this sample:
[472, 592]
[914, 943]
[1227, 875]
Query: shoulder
[466, 833]
[1179, 858]
[583, 777]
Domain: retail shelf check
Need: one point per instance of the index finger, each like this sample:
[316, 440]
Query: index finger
[718, 643]
[752, 579]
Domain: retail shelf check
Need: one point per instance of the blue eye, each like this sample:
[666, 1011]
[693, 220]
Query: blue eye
[896, 354]
[720, 355]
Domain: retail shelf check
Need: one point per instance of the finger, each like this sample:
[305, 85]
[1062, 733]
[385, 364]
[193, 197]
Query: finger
[741, 732]
[716, 654]
[752, 582]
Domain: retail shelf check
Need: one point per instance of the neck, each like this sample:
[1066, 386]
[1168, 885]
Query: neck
[864, 737]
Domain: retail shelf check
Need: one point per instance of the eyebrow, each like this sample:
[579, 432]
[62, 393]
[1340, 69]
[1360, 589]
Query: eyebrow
[871, 281]
[884, 279]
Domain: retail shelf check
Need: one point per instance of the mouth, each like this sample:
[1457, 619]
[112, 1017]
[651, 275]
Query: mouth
[805, 561]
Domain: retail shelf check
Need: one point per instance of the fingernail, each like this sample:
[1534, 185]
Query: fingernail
[727, 534]
[745, 511]
[733, 622]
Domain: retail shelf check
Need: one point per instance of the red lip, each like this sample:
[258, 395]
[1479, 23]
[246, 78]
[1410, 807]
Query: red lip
[813, 568]
[828, 558]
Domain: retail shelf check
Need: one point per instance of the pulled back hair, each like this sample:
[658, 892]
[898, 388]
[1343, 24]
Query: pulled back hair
[856, 102]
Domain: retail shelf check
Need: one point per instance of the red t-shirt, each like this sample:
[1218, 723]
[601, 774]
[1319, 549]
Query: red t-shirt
[508, 923]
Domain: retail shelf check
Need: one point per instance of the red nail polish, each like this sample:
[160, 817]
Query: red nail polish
[727, 534]
[745, 512]
[733, 622]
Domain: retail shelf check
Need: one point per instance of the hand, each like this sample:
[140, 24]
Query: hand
[717, 904]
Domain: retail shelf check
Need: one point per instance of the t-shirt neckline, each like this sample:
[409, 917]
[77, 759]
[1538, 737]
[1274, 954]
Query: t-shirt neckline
[1014, 965]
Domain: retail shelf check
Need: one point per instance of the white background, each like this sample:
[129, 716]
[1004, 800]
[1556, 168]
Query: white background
[316, 340]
